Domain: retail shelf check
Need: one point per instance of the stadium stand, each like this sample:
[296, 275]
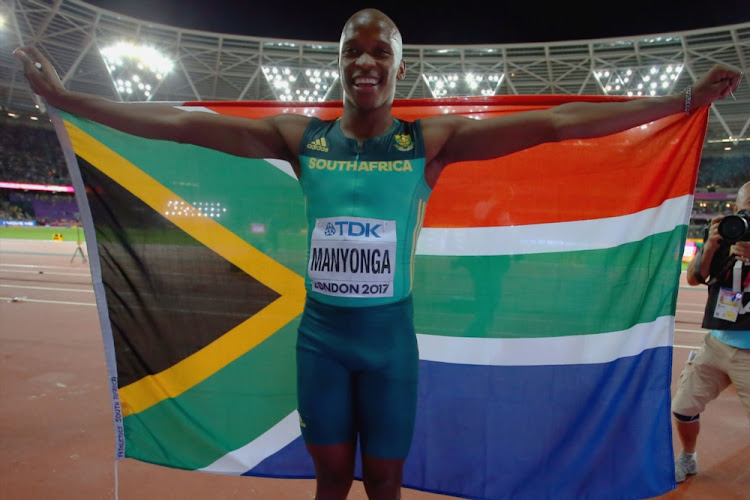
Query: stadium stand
[31, 153]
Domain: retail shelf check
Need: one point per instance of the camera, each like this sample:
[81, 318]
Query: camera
[735, 227]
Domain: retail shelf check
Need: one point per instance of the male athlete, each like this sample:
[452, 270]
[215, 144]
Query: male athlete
[366, 178]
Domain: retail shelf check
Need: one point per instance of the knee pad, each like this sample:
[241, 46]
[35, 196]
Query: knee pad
[686, 419]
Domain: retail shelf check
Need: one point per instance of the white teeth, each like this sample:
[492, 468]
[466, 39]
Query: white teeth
[365, 81]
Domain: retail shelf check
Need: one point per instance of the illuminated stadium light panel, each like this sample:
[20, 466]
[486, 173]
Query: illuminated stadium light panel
[639, 81]
[72, 31]
[462, 85]
[300, 84]
[197, 209]
[135, 70]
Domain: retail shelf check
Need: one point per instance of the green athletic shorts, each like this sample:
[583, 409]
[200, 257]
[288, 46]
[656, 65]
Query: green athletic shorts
[357, 376]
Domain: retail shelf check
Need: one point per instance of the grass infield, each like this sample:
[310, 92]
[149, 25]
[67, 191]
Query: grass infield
[42, 233]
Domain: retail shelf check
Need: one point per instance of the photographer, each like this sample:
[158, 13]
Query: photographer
[722, 264]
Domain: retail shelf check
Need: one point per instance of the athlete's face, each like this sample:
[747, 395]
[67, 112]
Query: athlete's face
[370, 62]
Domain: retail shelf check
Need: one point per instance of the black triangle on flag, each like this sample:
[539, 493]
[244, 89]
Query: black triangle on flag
[168, 295]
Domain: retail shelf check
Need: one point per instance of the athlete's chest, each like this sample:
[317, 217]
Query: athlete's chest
[340, 171]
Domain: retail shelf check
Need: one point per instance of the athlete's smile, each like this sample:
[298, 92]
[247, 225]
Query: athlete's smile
[365, 82]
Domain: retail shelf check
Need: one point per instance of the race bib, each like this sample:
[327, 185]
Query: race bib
[353, 257]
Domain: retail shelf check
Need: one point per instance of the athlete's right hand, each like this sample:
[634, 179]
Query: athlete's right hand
[40, 73]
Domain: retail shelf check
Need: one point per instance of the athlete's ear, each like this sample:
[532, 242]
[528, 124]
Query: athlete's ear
[401, 70]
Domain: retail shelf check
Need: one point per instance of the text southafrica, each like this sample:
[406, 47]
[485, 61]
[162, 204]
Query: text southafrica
[356, 166]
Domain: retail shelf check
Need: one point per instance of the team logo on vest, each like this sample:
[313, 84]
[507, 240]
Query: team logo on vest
[318, 145]
[404, 142]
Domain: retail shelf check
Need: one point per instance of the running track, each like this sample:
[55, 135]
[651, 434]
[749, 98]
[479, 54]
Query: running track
[56, 435]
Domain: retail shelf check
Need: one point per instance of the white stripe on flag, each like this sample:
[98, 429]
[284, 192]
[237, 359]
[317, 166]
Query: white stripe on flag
[273, 440]
[557, 237]
[284, 166]
[546, 351]
[196, 108]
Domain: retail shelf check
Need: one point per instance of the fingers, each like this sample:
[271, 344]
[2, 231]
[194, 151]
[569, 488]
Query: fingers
[729, 85]
[740, 250]
[32, 59]
[41, 61]
[736, 87]
[729, 79]
[39, 72]
[27, 62]
[721, 81]
[721, 72]
[29, 58]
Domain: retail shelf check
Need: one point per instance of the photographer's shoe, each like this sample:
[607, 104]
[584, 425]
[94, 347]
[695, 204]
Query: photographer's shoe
[685, 465]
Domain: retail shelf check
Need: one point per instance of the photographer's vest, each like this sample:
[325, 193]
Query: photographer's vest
[732, 283]
[365, 203]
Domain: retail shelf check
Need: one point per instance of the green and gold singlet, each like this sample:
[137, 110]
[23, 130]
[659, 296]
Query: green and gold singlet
[365, 205]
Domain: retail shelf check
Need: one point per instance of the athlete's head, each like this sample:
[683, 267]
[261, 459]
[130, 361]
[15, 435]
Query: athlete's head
[370, 59]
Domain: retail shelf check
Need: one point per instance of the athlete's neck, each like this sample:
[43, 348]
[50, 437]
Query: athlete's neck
[363, 125]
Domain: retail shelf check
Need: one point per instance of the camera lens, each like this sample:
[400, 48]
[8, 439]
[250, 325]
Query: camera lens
[733, 228]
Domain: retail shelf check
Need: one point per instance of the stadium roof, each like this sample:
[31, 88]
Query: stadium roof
[79, 40]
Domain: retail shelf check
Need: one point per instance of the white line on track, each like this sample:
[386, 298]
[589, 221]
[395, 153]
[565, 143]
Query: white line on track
[16, 300]
[46, 273]
[683, 330]
[34, 266]
[47, 288]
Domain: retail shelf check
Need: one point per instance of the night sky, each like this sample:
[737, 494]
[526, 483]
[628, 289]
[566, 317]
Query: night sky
[442, 21]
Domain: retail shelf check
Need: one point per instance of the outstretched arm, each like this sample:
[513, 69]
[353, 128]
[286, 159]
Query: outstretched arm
[452, 139]
[272, 137]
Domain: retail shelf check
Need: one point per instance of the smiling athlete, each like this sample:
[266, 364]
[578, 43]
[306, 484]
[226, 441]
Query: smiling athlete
[366, 178]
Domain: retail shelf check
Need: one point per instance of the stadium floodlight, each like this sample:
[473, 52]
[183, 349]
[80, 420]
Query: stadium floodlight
[463, 85]
[651, 80]
[180, 208]
[136, 70]
[300, 84]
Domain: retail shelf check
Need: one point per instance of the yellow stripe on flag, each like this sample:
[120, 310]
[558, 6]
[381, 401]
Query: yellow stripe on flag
[182, 376]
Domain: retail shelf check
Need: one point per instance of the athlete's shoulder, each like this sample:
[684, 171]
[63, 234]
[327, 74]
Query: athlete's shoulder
[291, 127]
[318, 125]
[437, 129]
[443, 122]
[290, 120]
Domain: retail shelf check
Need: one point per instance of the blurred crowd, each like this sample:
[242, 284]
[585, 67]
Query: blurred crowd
[31, 155]
[727, 171]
